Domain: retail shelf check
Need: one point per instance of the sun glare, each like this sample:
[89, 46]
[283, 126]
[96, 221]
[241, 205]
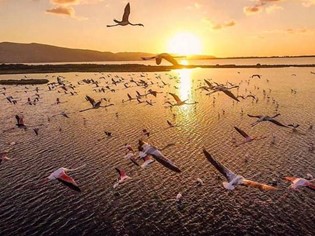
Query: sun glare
[185, 44]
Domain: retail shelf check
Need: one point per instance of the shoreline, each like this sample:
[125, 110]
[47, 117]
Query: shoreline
[63, 68]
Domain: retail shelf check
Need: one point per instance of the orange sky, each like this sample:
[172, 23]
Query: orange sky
[220, 28]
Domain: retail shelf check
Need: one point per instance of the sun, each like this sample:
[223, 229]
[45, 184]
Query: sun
[184, 43]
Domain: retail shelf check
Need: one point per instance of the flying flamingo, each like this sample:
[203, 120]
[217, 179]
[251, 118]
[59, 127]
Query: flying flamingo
[300, 182]
[157, 155]
[61, 175]
[247, 137]
[158, 58]
[220, 88]
[262, 118]
[234, 179]
[179, 102]
[95, 105]
[125, 18]
[122, 177]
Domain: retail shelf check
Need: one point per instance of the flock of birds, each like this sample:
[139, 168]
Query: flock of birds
[147, 152]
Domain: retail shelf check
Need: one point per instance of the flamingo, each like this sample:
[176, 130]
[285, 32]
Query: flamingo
[220, 88]
[4, 157]
[179, 102]
[256, 75]
[300, 182]
[247, 137]
[95, 105]
[157, 155]
[146, 159]
[122, 177]
[125, 19]
[158, 58]
[233, 179]
[61, 175]
[262, 118]
[130, 154]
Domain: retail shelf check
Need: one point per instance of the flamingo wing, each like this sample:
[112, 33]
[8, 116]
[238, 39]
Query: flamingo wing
[120, 172]
[148, 58]
[169, 123]
[159, 157]
[254, 116]
[177, 99]
[260, 186]
[125, 17]
[241, 132]
[228, 174]
[91, 100]
[169, 58]
[277, 123]
[230, 94]
[68, 181]
[208, 83]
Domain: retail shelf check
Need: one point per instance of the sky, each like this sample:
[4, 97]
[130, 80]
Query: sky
[223, 28]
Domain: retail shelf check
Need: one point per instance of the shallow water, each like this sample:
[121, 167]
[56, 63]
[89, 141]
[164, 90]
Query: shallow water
[145, 205]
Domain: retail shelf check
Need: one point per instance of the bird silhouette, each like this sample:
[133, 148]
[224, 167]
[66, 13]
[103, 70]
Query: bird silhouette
[125, 19]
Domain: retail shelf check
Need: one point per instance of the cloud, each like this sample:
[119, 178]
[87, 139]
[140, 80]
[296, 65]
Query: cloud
[298, 30]
[260, 5]
[60, 10]
[74, 2]
[65, 2]
[193, 6]
[273, 8]
[308, 3]
[218, 26]
[253, 9]
[65, 7]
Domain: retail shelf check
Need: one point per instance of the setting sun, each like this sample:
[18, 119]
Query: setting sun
[185, 43]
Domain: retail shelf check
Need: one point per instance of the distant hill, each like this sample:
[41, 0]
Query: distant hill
[35, 53]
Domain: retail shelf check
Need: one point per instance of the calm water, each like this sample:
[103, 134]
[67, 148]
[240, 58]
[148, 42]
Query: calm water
[145, 205]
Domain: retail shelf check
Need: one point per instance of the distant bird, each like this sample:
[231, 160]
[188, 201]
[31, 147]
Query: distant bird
[36, 130]
[122, 177]
[262, 118]
[130, 155]
[95, 105]
[300, 182]
[246, 136]
[256, 75]
[199, 182]
[179, 102]
[61, 175]
[64, 114]
[145, 132]
[20, 121]
[221, 88]
[294, 126]
[108, 134]
[4, 157]
[179, 197]
[170, 124]
[158, 58]
[233, 179]
[157, 155]
[125, 19]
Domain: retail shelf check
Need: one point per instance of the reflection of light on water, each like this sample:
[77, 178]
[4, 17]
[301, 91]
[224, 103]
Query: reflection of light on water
[185, 85]
[184, 62]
